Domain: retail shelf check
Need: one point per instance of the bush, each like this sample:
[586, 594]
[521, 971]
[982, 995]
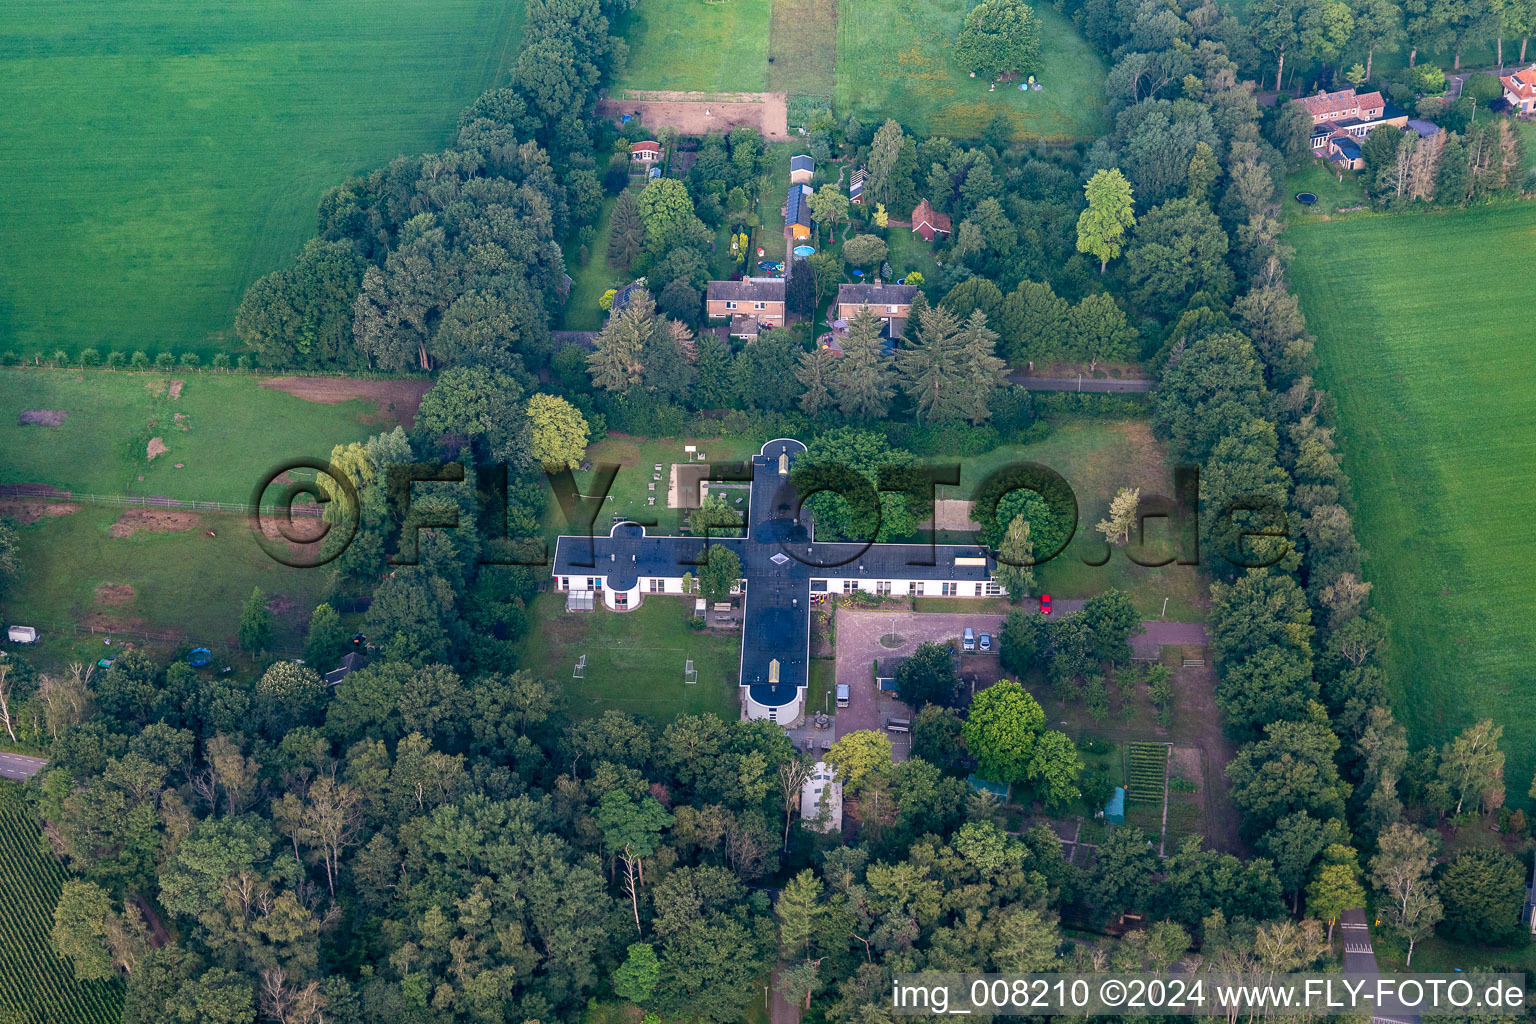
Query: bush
[245, 363]
[191, 360]
[165, 360]
[221, 361]
[1483, 88]
[90, 357]
[1427, 79]
[60, 357]
[697, 622]
[116, 360]
[10, 357]
[139, 359]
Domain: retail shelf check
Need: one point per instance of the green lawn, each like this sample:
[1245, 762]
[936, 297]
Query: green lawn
[1425, 341]
[232, 431]
[635, 659]
[160, 155]
[589, 280]
[895, 60]
[184, 581]
[696, 45]
[1333, 192]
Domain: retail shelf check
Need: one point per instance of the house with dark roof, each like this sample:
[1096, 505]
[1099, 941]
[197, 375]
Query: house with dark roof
[1424, 129]
[623, 295]
[750, 304]
[928, 222]
[797, 212]
[349, 664]
[783, 568]
[801, 169]
[856, 186]
[892, 303]
[1520, 89]
[645, 152]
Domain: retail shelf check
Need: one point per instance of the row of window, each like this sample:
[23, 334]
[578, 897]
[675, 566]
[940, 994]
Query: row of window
[915, 588]
[733, 304]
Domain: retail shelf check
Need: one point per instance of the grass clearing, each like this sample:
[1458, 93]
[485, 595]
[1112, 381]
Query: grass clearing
[162, 155]
[896, 60]
[802, 46]
[181, 580]
[635, 659]
[695, 45]
[226, 430]
[33, 979]
[590, 279]
[1427, 349]
[1334, 192]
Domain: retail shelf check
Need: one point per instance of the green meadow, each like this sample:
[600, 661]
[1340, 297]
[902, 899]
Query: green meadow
[1424, 333]
[158, 156]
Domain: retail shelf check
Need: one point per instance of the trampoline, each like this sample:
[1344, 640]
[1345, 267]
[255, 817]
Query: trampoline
[199, 656]
[1306, 198]
[858, 273]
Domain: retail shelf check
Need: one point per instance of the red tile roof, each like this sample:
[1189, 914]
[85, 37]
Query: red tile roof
[646, 147]
[1521, 83]
[925, 216]
[1345, 101]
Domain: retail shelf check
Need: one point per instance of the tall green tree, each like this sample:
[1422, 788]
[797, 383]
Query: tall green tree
[931, 370]
[1102, 226]
[999, 36]
[255, 630]
[865, 376]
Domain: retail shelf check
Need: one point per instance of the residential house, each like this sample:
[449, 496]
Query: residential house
[928, 222]
[750, 304]
[623, 295]
[1424, 129]
[856, 187]
[1347, 114]
[801, 168]
[797, 213]
[1520, 90]
[892, 303]
[350, 663]
[645, 152]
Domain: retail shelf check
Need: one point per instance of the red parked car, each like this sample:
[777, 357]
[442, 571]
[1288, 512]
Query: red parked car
[1045, 604]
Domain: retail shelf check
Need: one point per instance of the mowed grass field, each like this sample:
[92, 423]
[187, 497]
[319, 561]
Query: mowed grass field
[635, 659]
[896, 59]
[158, 156]
[226, 430]
[692, 45]
[1426, 341]
[35, 983]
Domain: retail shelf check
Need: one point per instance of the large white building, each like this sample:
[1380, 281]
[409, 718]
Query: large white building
[784, 570]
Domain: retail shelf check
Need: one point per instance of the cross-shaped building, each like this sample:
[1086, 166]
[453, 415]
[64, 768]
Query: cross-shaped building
[784, 569]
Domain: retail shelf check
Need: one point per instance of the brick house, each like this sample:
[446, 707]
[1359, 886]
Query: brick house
[928, 222]
[645, 152]
[1347, 114]
[1520, 90]
[750, 304]
[892, 303]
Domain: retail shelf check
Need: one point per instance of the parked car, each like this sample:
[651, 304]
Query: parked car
[968, 640]
[842, 695]
[1045, 604]
[985, 642]
[898, 725]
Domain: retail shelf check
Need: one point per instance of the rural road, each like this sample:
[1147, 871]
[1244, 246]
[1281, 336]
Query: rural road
[1101, 385]
[19, 766]
[1360, 962]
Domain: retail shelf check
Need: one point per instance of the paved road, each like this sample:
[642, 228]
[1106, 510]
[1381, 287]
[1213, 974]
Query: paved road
[1360, 962]
[19, 766]
[1096, 384]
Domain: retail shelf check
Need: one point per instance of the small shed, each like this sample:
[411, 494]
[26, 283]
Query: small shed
[22, 635]
[801, 168]
[1114, 807]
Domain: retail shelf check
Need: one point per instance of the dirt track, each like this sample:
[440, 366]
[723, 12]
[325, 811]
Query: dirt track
[701, 113]
[153, 520]
[394, 399]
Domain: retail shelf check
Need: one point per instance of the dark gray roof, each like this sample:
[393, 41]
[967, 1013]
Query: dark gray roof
[349, 664]
[779, 559]
[1424, 128]
[746, 291]
[622, 296]
[801, 162]
[877, 294]
[796, 209]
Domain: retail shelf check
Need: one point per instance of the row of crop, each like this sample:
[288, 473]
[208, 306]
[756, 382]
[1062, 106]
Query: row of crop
[1148, 768]
[32, 976]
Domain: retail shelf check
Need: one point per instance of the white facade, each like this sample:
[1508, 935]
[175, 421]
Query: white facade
[822, 788]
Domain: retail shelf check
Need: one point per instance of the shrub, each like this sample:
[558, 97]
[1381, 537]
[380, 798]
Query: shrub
[89, 357]
[139, 359]
[244, 362]
[10, 357]
[1484, 88]
[1427, 79]
[60, 357]
[191, 360]
[221, 361]
[165, 360]
[116, 360]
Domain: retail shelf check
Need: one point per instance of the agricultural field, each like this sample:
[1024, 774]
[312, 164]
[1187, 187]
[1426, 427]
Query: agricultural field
[1426, 345]
[895, 60]
[696, 45]
[219, 434]
[635, 659]
[170, 153]
[33, 979]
